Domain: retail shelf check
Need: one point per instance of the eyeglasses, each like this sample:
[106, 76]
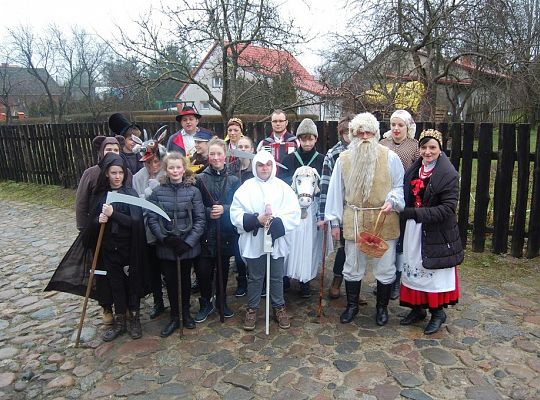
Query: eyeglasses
[278, 121]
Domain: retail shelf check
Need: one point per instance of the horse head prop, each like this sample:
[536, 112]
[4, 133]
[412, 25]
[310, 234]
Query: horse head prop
[153, 146]
[305, 183]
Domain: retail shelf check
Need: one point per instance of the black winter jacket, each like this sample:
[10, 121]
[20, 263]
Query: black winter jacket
[218, 188]
[441, 243]
[291, 162]
[178, 200]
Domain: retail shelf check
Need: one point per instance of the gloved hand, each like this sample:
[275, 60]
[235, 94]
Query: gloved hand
[178, 245]
[251, 223]
[276, 229]
[408, 213]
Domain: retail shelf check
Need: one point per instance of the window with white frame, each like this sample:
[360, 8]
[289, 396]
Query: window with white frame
[217, 81]
[205, 105]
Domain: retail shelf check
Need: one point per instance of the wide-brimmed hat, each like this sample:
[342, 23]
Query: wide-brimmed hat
[187, 110]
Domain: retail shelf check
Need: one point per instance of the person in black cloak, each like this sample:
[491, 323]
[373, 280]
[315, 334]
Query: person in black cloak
[122, 253]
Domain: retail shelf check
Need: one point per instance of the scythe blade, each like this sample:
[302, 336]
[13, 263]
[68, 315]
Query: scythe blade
[113, 197]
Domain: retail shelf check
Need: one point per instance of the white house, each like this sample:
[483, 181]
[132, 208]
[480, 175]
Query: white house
[258, 62]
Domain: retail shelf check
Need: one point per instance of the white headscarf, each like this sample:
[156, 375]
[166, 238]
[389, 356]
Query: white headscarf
[406, 117]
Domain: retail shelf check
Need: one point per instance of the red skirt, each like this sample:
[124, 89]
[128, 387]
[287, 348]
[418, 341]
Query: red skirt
[414, 298]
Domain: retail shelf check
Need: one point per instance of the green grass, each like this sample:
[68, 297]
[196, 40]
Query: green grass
[37, 194]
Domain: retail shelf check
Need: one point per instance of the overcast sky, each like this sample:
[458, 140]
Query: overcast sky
[317, 17]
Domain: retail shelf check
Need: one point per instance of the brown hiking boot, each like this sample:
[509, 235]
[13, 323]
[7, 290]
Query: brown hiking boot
[280, 315]
[250, 319]
[333, 292]
[107, 316]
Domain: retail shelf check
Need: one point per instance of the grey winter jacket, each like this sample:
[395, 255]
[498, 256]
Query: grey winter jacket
[183, 204]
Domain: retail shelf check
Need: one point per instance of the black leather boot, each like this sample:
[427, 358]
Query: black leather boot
[352, 290]
[187, 320]
[438, 317]
[383, 297]
[136, 329]
[173, 325]
[157, 310]
[118, 328]
[394, 294]
[415, 315]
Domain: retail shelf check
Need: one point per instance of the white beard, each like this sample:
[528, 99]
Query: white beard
[363, 164]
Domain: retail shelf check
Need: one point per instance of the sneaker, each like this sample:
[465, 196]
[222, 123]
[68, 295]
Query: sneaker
[240, 291]
[250, 319]
[206, 308]
[280, 315]
[227, 312]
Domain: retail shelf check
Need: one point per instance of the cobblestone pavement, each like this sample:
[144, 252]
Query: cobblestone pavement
[489, 349]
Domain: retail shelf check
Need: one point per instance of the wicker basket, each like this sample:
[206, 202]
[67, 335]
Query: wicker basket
[371, 243]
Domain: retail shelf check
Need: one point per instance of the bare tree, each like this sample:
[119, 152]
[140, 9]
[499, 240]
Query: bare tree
[400, 40]
[37, 55]
[229, 25]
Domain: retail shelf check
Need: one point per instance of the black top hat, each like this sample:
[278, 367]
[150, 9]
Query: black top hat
[187, 110]
[120, 124]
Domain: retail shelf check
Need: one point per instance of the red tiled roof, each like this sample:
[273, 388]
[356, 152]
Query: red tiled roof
[272, 62]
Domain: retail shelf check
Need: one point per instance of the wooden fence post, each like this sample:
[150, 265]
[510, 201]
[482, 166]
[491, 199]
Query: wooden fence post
[483, 175]
[533, 242]
[465, 186]
[503, 188]
[520, 210]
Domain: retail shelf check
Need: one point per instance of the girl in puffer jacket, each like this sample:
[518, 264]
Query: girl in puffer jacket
[180, 237]
[220, 238]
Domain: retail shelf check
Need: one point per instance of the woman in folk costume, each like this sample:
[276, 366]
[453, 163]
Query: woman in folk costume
[235, 127]
[400, 139]
[432, 246]
[306, 240]
[182, 202]
[264, 201]
[219, 241]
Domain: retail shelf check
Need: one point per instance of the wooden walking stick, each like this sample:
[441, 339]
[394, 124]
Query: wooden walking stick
[321, 289]
[90, 282]
[220, 273]
[180, 307]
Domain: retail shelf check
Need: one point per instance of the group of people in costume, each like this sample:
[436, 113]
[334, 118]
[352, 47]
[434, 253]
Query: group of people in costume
[224, 201]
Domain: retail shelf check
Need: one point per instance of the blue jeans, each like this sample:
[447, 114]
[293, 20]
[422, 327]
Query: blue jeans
[256, 274]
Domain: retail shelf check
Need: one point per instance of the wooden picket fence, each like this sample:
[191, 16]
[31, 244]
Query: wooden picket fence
[500, 187]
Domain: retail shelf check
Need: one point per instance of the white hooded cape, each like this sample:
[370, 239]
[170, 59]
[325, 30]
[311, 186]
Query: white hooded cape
[252, 197]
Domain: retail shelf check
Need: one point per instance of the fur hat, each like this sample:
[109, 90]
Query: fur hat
[363, 122]
[430, 134]
[307, 127]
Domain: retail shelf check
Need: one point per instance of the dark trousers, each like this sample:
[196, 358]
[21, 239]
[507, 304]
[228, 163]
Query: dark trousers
[155, 271]
[339, 261]
[119, 283]
[115, 256]
[241, 270]
[207, 269]
[170, 273]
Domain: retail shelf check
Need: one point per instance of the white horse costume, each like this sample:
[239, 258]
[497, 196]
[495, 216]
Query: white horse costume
[305, 242]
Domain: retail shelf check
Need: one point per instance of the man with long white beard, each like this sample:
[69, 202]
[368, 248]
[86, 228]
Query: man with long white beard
[367, 179]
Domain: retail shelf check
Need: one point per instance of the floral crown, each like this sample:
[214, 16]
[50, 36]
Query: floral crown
[236, 121]
[431, 133]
